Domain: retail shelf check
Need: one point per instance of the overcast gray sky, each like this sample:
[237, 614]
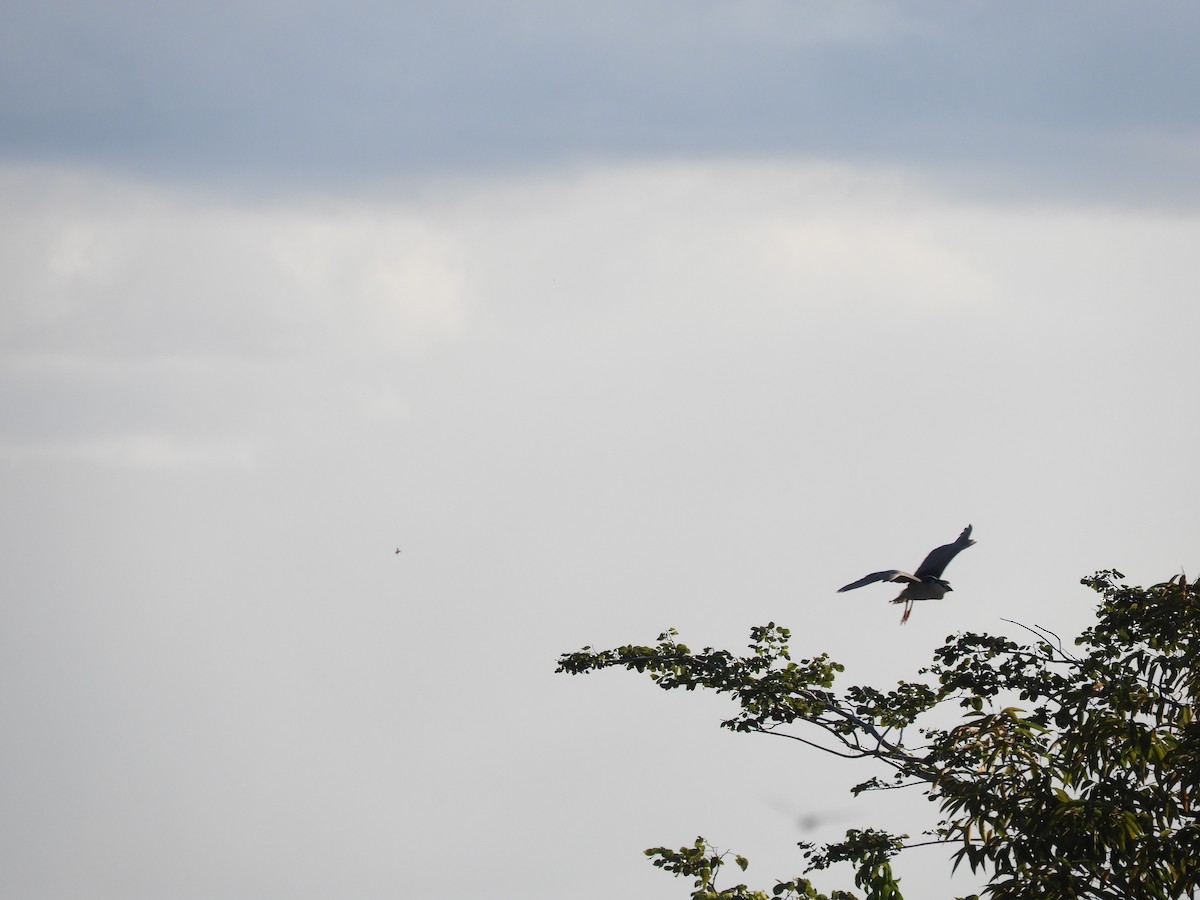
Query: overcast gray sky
[614, 317]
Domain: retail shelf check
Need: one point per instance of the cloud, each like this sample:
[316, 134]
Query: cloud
[147, 327]
[340, 95]
[701, 251]
[137, 451]
[151, 325]
[116, 269]
[106, 269]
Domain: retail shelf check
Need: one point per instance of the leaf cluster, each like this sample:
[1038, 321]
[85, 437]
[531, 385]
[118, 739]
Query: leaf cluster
[702, 863]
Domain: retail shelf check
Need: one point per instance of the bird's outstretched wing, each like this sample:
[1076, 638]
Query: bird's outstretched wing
[886, 575]
[937, 560]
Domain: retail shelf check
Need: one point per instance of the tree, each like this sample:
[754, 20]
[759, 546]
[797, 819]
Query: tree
[1059, 773]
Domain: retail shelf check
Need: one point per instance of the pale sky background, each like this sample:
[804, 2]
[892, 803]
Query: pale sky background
[614, 317]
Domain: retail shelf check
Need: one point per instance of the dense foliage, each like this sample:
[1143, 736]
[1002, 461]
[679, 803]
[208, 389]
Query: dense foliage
[1064, 773]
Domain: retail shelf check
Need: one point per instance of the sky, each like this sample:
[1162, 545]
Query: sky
[612, 318]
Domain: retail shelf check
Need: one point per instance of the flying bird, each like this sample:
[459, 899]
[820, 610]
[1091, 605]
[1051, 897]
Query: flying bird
[807, 820]
[927, 583]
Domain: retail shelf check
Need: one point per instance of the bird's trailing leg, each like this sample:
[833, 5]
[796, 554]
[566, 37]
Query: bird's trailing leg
[908, 607]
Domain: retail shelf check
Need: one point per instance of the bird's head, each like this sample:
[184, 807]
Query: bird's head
[944, 583]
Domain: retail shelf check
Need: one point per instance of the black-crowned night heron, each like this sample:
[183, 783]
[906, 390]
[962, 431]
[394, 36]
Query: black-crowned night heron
[927, 582]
